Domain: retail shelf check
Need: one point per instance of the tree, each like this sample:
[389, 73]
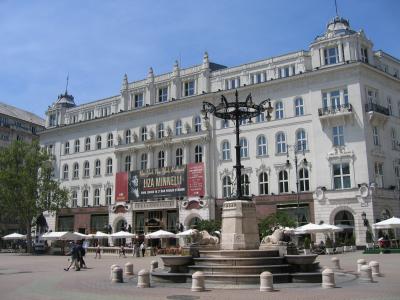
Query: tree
[27, 188]
[209, 225]
[269, 223]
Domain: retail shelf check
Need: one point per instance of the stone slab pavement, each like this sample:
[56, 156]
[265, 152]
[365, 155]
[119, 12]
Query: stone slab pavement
[25, 277]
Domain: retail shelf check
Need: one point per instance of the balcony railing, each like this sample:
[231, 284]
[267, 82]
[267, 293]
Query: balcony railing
[376, 108]
[331, 110]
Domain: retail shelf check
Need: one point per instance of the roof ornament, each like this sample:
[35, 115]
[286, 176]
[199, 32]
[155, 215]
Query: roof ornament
[336, 8]
[125, 82]
[66, 86]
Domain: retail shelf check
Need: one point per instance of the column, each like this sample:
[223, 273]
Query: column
[168, 155]
[150, 157]
[339, 48]
[206, 167]
[186, 152]
[133, 160]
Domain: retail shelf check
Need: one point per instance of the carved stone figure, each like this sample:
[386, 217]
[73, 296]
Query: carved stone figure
[204, 238]
[275, 238]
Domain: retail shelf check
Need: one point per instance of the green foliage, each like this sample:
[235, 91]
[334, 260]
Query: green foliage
[328, 243]
[307, 243]
[209, 225]
[269, 223]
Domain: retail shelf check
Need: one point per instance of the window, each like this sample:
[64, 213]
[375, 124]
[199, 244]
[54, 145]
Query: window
[160, 130]
[338, 136]
[197, 124]
[341, 176]
[128, 136]
[178, 127]
[304, 180]
[108, 196]
[65, 172]
[244, 148]
[301, 140]
[279, 110]
[263, 183]
[143, 134]
[226, 151]
[97, 166]
[52, 120]
[379, 174]
[226, 187]
[98, 142]
[299, 106]
[127, 163]
[77, 145]
[161, 159]
[257, 78]
[261, 145]
[245, 183]
[393, 134]
[198, 154]
[139, 100]
[87, 144]
[88, 115]
[86, 169]
[243, 121]
[74, 199]
[232, 83]
[163, 94]
[331, 55]
[188, 88]
[346, 97]
[225, 123]
[85, 198]
[375, 135]
[260, 117]
[105, 111]
[284, 72]
[110, 140]
[96, 198]
[372, 95]
[76, 171]
[364, 55]
[280, 143]
[389, 105]
[109, 166]
[143, 161]
[179, 157]
[66, 148]
[283, 182]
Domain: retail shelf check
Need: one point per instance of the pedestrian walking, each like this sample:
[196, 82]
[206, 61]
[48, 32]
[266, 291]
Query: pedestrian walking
[81, 254]
[74, 252]
[143, 249]
[122, 251]
[98, 252]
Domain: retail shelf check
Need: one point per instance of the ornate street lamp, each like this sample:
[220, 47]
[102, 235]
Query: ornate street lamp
[237, 111]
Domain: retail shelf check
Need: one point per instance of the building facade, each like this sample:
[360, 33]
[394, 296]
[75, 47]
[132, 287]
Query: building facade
[328, 153]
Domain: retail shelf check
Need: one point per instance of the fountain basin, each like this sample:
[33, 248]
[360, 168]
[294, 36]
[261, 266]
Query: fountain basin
[177, 263]
[306, 259]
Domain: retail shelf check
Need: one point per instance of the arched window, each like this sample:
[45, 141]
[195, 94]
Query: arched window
[85, 198]
[160, 130]
[179, 157]
[278, 110]
[244, 148]
[109, 166]
[283, 182]
[280, 143]
[110, 140]
[263, 183]
[98, 142]
[65, 172]
[66, 148]
[178, 127]
[76, 171]
[226, 187]
[198, 154]
[127, 163]
[245, 182]
[299, 106]
[128, 136]
[108, 196]
[96, 198]
[143, 161]
[304, 180]
[161, 159]
[74, 199]
[226, 150]
[197, 124]
[97, 166]
[261, 145]
[77, 145]
[301, 140]
[143, 134]
[87, 144]
[86, 169]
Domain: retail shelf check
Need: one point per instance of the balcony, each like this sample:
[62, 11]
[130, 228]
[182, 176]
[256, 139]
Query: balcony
[378, 115]
[343, 112]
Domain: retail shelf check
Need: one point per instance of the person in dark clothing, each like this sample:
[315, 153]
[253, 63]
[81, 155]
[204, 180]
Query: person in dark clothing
[74, 252]
[81, 254]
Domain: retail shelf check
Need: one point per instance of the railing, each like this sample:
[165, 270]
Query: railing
[377, 108]
[330, 110]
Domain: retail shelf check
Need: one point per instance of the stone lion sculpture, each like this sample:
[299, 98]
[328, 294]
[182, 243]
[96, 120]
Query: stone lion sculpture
[204, 238]
[275, 238]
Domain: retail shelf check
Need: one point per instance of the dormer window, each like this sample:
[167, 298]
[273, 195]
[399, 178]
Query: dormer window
[53, 120]
[188, 88]
[163, 94]
[139, 100]
[232, 83]
[364, 55]
[331, 55]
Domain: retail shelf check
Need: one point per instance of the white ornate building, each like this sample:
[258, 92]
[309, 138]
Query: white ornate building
[337, 105]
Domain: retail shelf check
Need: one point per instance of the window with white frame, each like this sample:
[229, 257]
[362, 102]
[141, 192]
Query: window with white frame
[160, 130]
[260, 117]
[225, 123]
[304, 180]
[85, 198]
[232, 83]
[163, 94]
[226, 150]
[98, 142]
[379, 174]
[74, 199]
[96, 197]
[86, 169]
[128, 136]
[108, 196]
[261, 145]
[198, 154]
[284, 71]
[87, 144]
[341, 176]
[88, 115]
[161, 159]
[179, 157]
[331, 55]
[375, 135]
[197, 124]
[393, 135]
[278, 110]
[263, 183]
[143, 134]
[372, 95]
[338, 135]
[97, 168]
[65, 172]
[280, 142]
[76, 171]
[110, 140]
[283, 182]
[245, 183]
[364, 54]
[77, 146]
[299, 106]
[257, 78]
[226, 187]
[188, 88]
[301, 140]
[244, 148]
[139, 102]
[127, 163]
[178, 127]
[66, 148]
[109, 166]
[143, 161]
[243, 121]
[346, 97]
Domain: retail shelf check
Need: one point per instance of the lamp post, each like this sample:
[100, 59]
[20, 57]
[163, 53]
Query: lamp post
[237, 111]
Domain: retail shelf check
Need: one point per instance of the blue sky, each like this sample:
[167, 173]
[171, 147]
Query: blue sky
[98, 41]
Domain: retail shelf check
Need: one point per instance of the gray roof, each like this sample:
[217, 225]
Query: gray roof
[18, 113]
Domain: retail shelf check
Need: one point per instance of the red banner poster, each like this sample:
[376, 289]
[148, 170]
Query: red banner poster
[195, 175]
[121, 186]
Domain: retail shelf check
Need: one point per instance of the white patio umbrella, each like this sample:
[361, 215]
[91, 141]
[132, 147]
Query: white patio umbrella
[160, 234]
[311, 228]
[61, 236]
[14, 236]
[186, 233]
[122, 235]
[83, 236]
[331, 228]
[100, 235]
[393, 222]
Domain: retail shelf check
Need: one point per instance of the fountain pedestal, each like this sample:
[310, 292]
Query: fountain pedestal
[239, 226]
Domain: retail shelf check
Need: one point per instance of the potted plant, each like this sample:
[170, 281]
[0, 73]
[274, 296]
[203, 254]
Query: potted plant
[328, 246]
[307, 244]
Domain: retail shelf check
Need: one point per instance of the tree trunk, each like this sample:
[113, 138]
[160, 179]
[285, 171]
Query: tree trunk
[28, 238]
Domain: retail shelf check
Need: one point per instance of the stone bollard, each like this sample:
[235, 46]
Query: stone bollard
[117, 275]
[198, 284]
[266, 282]
[375, 268]
[328, 279]
[143, 279]
[360, 263]
[336, 263]
[365, 274]
[111, 270]
[154, 265]
[129, 268]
